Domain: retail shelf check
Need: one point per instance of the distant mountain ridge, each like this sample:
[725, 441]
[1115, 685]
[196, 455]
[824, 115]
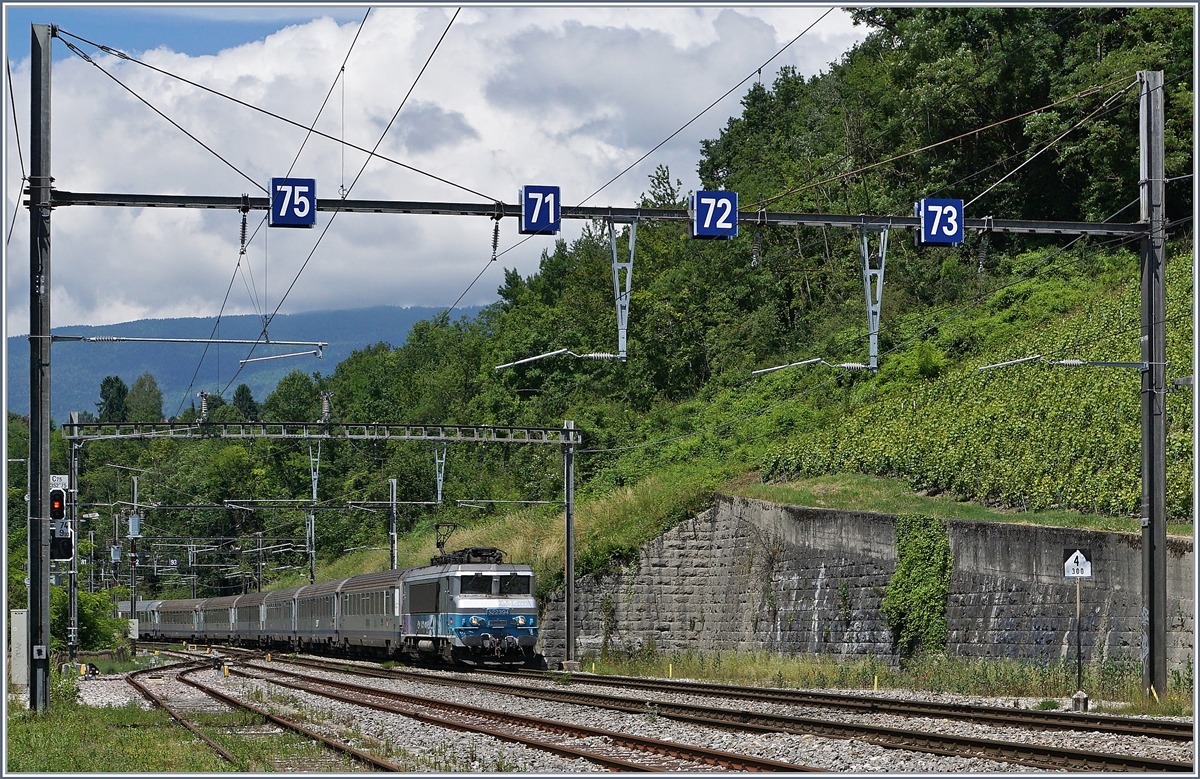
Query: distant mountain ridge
[78, 368]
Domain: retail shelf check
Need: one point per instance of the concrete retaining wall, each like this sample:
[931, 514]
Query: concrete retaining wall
[748, 574]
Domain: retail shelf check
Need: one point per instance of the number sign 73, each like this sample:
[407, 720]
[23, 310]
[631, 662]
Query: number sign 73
[714, 215]
[293, 202]
[941, 221]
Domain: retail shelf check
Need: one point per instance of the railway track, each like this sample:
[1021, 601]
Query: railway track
[866, 704]
[612, 750]
[357, 754]
[1032, 755]
[134, 681]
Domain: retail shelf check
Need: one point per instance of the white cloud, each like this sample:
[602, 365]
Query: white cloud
[568, 96]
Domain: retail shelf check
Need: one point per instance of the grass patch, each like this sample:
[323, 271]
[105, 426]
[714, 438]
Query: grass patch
[264, 752]
[858, 492]
[70, 738]
[609, 530]
[1113, 680]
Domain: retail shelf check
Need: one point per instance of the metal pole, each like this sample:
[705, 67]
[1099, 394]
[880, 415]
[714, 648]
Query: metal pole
[92, 561]
[873, 285]
[312, 547]
[1078, 641]
[392, 527]
[569, 500]
[1154, 354]
[73, 574]
[260, 561]
[133, 562]
[39, 368]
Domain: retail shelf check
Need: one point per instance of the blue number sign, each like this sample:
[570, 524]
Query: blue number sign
[293, 202]
[941, 222]
[714, 215]
[541, 210]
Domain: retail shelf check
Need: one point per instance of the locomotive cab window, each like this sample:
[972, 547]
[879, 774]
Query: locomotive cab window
[514, 584]
[476, 584]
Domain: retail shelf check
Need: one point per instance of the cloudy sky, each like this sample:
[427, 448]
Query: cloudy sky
[527, 95]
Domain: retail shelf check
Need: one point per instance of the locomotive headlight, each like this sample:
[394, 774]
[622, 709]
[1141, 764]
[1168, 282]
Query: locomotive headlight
[521, 620]
[476, 621]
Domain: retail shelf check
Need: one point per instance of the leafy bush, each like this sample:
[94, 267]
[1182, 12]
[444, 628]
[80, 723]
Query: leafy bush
[914, 605]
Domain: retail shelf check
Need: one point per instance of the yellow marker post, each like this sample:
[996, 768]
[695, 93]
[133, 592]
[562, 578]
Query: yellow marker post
[876, 682]
[268, 657]
[83, 669]
[225, 668]
[670, 670]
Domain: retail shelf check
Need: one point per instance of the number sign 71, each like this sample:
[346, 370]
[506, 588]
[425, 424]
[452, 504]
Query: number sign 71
[941, 222]
[714, 215]
[541, 210]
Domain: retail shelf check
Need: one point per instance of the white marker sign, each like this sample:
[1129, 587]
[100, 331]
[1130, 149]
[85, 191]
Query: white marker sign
[1076, 564]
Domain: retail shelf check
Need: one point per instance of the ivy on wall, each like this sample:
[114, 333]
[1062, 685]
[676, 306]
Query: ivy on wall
[914, 606]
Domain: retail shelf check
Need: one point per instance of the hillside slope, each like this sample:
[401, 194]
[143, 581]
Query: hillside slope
[684, 415]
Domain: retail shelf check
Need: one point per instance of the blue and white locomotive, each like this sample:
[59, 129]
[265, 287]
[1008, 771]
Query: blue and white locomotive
[467, 606]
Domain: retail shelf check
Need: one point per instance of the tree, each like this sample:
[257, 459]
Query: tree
[113, 406]
[144, 403]
[243, 399]
[295, 399]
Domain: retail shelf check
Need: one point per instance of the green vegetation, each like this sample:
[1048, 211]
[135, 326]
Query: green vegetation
[915, 602]
[70, 738]
[1106, 682]
[857, 492]
[683, 419]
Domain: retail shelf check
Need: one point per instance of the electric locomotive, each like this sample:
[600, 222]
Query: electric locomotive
[467, 607]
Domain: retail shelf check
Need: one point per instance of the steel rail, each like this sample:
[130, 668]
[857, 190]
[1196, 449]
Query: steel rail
[182, 720]
[991, 715]
[1033, 755]
[357, 754]
[60, 198]
[676, 751]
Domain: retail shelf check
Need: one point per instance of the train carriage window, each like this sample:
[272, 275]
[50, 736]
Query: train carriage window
[476, 584]
[515, 584]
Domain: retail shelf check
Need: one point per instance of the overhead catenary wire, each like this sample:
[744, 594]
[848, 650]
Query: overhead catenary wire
[810, 185]
[192, 382]
[757, 71]
[250, 286]
[708, 108]
[370, 155]
[762, 202]
[898, 346]
[83, 55]
[273, 115]
[1067, 132]
[20, 157]
[341, 76]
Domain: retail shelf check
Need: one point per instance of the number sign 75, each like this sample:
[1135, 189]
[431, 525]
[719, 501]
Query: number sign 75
[293, 202]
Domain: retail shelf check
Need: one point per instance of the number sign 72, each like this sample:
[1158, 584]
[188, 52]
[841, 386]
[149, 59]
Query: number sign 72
[714, 215]
[941, 221]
